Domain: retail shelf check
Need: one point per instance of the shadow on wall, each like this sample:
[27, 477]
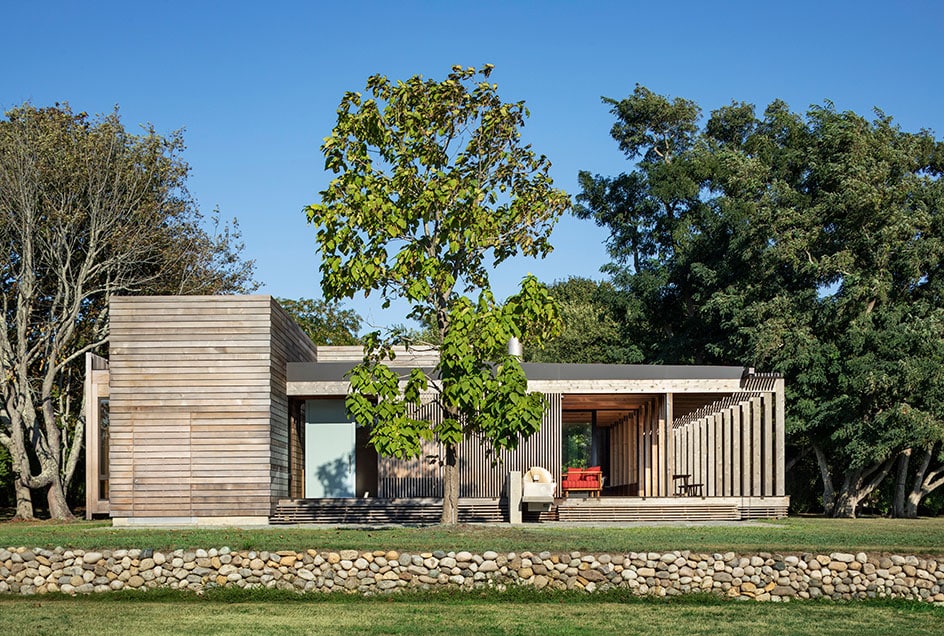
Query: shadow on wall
[335, 478]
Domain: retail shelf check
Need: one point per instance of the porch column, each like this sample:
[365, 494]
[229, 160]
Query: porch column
[669, 452]
[780, 444]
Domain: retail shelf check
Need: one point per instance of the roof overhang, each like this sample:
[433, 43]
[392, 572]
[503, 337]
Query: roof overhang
[330, 378]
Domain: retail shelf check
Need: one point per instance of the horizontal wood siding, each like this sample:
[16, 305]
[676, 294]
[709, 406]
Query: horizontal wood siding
[191, 406]
[289, 344]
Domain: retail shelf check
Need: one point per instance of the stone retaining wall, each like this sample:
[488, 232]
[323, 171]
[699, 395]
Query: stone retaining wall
[762, 576]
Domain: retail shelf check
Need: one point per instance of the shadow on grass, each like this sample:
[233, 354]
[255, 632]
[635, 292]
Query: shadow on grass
[511, 595]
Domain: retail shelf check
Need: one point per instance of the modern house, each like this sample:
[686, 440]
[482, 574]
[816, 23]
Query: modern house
[219, 410]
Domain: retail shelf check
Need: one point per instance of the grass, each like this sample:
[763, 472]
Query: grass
[793, 535]
[488, 614]
[516, 611]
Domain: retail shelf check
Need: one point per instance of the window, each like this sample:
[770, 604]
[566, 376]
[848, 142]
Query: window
[103, 441]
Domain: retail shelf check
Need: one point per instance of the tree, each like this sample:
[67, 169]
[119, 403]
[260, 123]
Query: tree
[325, 323]
[593, 315]
[432, 188]
[87, 210]
[811, 245]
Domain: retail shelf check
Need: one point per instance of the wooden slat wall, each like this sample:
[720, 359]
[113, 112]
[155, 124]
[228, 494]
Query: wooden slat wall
[96, 388]
[420, 477]
[653, 458]
[419, 356]
[296, 449]
[624, 454]
[198, 407]
[731, 446]
[479, 475]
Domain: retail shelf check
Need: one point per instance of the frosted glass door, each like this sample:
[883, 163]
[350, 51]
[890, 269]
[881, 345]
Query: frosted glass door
[329, 450]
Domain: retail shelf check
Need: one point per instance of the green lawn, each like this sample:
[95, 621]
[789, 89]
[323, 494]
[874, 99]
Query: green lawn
[797, 534]
[431, 615]
[512, 612]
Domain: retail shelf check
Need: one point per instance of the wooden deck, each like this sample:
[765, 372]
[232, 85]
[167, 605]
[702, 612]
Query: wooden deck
[630, 509]
[426, 511]
[415, 511]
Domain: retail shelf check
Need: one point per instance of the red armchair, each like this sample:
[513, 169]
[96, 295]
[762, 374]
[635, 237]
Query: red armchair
[583, 479]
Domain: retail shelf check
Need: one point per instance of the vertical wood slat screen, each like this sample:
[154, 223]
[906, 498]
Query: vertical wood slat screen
[479, 476]
[625, 452]
[654, 461]
[730, 446]
[413, 478]
[485, 474]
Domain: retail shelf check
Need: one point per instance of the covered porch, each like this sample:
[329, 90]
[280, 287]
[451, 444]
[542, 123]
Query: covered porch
[692, 445]
[673, 443]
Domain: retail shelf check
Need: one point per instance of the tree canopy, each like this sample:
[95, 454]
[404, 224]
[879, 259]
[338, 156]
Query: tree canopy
[87, 210]
[809, 244]
[325, 323]
[433, 187]
[593, 315]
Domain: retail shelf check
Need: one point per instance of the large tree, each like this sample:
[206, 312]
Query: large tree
[87, 210]
[325, 323]
[593, 315]
[808, 244]
[433, 187]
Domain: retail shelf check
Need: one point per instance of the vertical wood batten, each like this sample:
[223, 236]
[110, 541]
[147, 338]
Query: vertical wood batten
[756, 449]
[710, 455]
[728, 425]
[780, 444]
[768, 451]
[482, 473]
[667, 447]
[419, 477]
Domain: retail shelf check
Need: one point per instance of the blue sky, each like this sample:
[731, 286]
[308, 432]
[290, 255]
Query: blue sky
[255, 86]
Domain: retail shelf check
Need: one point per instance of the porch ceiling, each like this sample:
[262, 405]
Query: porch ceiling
[611, 407]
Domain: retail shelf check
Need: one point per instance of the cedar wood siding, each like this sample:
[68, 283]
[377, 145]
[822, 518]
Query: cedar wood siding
[289, 344]
[198, 405]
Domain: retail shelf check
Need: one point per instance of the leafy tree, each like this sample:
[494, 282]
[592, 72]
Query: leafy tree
[433, 187]
[87, 210]
[593, 315]
[811, 245]
[325, 323]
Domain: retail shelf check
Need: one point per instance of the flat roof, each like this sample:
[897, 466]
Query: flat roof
[540, 371]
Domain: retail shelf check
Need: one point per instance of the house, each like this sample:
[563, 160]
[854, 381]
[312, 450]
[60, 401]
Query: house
[219, 410]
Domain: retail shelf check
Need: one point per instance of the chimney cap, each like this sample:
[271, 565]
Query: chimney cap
[515, 348]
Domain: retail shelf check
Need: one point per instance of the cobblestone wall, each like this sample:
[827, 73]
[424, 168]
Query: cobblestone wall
[761, 576]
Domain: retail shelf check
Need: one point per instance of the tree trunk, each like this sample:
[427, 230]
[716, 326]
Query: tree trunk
[857, 485]
[795, 459]
[924, 481]
[56, 498]
[450, 511]
[829, 492]
[16, 446]
[847, 498]
[901, 484]
[24, 501]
